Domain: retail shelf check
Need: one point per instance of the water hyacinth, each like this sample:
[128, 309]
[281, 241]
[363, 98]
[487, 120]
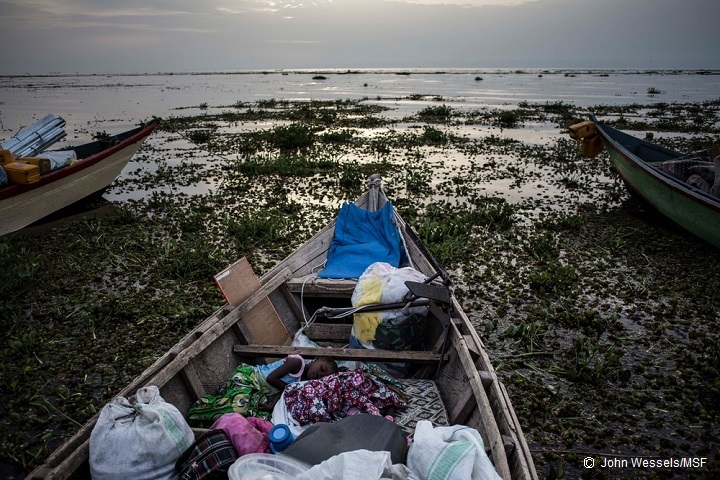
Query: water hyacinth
[597, 319]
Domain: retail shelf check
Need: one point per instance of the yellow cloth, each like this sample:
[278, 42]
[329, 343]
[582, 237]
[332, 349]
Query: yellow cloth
[365, 324]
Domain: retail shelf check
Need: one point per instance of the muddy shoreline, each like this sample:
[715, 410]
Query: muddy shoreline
[601, 319]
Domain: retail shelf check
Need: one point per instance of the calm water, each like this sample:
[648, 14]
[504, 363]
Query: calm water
[117, 102]
[114, 103]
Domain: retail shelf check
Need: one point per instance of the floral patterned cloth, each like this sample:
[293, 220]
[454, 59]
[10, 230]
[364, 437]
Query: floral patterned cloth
[329, 398]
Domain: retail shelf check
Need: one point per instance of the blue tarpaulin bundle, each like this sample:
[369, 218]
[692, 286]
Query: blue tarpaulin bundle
[361, 238]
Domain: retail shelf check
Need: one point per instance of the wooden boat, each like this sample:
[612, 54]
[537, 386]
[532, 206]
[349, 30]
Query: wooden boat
[638, 163]
[264, 314]
[99, 163]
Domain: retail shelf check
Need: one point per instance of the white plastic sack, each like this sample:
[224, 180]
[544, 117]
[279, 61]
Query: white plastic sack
[381, 283]
[449, 453]
[59, 159]
[358, 465]
[302, 340]
[140, 438]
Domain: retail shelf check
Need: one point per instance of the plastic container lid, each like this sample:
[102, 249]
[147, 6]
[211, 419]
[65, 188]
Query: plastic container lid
[265, 466]
[280, 438]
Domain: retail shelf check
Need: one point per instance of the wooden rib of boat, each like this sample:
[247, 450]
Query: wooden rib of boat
[637, 162]
[263, 319]
[98, 164]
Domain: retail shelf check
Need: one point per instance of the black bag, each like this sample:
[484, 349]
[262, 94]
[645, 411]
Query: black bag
[210, 457]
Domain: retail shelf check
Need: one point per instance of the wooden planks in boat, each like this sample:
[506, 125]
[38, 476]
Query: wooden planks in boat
[311, 285]
[262, 325]
[366, 355]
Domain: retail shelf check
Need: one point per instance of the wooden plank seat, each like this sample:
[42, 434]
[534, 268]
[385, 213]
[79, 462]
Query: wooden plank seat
[312, 286]
[366, 355]
[328, 332]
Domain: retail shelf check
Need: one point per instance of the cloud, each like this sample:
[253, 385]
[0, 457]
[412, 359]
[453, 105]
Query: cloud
[469, 3]
[295, 42]
[74, 14]
[184, 35]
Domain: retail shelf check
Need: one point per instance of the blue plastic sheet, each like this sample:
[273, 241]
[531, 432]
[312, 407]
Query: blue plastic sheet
[362, 238]
[3, 177]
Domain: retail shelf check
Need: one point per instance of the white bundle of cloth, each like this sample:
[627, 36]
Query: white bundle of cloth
[359, 465]
[381, 283]
[440, 453]
[449, 453]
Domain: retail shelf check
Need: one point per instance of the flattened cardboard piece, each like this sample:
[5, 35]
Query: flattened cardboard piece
[263, 325]
[237, 282]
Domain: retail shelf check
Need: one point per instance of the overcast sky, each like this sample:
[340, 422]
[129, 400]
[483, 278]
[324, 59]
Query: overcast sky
[133, 36]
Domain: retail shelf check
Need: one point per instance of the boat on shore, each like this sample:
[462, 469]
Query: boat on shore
[645, 168]
[453, 381]
[98, 164]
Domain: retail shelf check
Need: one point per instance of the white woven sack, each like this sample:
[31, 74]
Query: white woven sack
[140, 438]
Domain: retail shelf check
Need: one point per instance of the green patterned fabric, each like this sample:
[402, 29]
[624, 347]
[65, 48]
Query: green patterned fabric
[244, 393]
[379, 373]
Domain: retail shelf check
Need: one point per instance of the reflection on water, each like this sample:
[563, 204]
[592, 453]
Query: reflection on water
[118, 102]
[113, 103]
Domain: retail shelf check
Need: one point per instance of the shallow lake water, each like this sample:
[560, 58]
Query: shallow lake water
[117, 102]
[114, 103]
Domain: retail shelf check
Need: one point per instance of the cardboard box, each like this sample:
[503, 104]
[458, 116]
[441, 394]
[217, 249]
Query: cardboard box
[42, 163]
[592, 146]
[6, 157]
[22, 173]
[582, 130]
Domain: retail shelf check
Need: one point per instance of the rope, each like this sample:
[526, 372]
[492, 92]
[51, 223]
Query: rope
[360, 308]
[302, 295]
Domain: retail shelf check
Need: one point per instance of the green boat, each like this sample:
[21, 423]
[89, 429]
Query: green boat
[640, 165]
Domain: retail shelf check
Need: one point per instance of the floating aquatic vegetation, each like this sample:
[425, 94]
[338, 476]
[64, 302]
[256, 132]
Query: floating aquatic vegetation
[439, 114]
[589, 318]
